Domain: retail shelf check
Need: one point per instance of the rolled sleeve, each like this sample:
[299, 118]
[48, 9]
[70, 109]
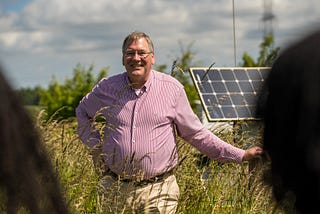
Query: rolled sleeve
[192, 130]
[85, 113]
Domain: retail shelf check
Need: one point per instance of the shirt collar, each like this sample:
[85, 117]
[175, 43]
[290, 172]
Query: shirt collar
[147, 85]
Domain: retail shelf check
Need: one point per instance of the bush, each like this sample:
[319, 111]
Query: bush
[60, 100]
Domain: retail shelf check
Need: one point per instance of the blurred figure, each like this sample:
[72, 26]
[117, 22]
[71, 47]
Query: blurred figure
[27, 179]
[291, 110]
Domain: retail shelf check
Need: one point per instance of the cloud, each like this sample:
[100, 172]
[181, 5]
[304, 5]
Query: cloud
[42, 38]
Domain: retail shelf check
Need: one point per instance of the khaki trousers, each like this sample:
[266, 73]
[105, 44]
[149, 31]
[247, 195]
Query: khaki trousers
[126, 197]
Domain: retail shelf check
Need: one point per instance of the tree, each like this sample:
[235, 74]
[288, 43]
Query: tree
[30, 96]
[267, 54]
[61, 100]
[179, 70]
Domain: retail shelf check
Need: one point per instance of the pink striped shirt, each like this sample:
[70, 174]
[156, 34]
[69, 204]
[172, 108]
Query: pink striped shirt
[140, 129]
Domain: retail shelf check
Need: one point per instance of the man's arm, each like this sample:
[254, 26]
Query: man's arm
[191, 129]
[86, 129]
[89, 135]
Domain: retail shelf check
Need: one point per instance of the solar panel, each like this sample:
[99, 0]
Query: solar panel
[229, 93]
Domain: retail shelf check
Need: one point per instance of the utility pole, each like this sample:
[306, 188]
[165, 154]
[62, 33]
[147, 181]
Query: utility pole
[234, 34]
[267, 18]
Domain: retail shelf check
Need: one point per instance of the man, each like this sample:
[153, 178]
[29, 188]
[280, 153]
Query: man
[144, 109]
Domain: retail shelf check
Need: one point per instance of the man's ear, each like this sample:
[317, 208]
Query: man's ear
[153, 59]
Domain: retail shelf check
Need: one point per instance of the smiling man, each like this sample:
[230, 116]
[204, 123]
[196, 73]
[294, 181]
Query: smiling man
[144, 109]
[138, 58]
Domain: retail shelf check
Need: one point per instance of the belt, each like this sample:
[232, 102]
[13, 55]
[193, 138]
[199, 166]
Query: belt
[144, 182]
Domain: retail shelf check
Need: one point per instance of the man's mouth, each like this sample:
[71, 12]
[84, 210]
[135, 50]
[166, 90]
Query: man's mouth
[136, 66]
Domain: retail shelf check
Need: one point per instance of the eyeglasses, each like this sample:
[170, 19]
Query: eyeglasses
[132, 53]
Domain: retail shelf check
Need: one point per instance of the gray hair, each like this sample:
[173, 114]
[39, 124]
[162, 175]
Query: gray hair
[135, 36]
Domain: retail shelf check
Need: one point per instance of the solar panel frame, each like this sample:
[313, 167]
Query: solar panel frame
[229, 93]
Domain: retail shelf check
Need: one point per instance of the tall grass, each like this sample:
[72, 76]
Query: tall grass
[205, 186]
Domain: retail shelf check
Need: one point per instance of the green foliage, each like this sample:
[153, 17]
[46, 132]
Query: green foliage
[179, 71]
[184, 62]
[30, 96]
[161, 68]
[60, 100]
[267, 54]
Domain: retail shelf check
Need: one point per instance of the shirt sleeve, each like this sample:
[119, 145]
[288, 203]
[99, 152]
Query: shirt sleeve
[85, 113]
[192, 130]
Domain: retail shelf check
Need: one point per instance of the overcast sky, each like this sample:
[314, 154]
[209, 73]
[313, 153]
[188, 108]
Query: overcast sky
[40, 39]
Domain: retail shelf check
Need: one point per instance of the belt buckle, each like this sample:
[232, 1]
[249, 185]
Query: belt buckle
[154, 179]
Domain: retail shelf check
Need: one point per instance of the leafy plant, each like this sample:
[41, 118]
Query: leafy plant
[179, 70]
[268, 54]
[61, 99]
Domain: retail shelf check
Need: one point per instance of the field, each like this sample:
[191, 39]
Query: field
[205, 186]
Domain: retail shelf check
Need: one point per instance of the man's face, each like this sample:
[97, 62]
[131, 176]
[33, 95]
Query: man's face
[138, 61]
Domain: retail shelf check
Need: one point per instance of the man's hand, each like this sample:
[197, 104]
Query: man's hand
[252, 152]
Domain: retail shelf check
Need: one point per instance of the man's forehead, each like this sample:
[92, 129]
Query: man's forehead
[138, 41]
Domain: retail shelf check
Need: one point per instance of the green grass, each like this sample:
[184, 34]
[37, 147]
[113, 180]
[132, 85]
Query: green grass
[230, 187]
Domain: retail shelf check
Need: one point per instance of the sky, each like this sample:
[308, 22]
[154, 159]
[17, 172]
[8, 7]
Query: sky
[42, 39]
